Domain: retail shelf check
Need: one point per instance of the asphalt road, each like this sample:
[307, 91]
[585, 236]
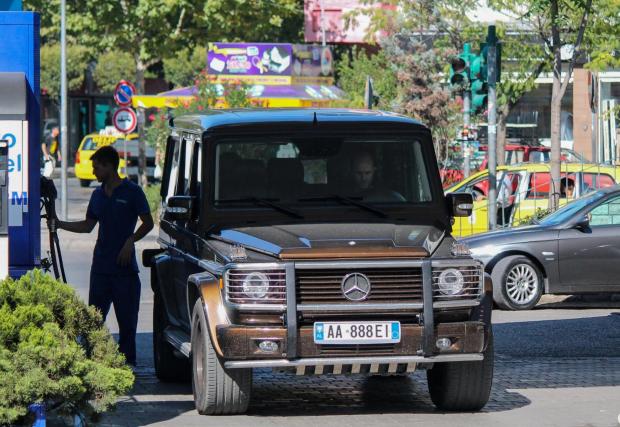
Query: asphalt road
[557, 365]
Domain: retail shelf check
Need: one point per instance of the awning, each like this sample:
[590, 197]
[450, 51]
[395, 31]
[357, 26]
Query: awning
[269, 96]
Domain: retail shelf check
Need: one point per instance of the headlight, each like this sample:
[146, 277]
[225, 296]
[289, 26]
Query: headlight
[450, 282]
[256, 285]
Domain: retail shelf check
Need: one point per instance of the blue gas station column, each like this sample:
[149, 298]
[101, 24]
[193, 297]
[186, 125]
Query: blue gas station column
[19, 53]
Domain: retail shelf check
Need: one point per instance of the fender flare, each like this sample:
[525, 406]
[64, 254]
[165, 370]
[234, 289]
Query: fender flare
[207, 287]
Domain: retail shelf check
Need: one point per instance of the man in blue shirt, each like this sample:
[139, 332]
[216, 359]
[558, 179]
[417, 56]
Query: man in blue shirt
[116, 205]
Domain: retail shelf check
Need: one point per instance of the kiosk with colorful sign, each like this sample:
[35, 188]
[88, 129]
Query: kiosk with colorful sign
[279, 75]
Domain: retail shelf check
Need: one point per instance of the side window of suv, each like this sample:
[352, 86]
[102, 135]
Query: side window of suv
[195, 181]
[171, 169]
[185, 167]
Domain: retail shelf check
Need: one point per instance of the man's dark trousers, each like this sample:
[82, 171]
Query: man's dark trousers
[124, 292]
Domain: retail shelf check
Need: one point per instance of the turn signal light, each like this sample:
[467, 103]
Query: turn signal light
[77, 157]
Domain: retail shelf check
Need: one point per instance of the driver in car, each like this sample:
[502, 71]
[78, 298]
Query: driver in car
[363, 171]
[365, 182]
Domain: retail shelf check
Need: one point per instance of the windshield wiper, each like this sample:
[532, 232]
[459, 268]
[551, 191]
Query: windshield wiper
[266, 202]
[346, 201]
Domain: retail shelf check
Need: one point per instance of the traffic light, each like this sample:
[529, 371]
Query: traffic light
[478, 77]
[459, 69]
[479, 90]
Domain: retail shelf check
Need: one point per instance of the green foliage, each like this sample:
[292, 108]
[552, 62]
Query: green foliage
[54, 349]
[353, 71]
[603, 38]
[112, 67]
[210, 95]
[77, 60]
[420, 93]
[157, 133]
[251, 20]
[182, 69]
[154, 199]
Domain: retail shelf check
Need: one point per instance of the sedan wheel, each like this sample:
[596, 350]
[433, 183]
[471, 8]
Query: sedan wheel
[522, 284]
[517, 283]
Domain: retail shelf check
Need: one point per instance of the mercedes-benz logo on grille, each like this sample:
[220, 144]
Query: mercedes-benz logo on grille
[355, 287]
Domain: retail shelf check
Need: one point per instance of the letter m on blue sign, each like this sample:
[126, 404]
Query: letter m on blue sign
[16, 199]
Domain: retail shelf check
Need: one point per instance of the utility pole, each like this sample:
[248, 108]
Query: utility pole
[492, 126]
[369, 94]
[64, 152]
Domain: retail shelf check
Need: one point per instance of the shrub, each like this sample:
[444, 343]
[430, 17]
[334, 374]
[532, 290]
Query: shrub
[153, 197]
[55, 350]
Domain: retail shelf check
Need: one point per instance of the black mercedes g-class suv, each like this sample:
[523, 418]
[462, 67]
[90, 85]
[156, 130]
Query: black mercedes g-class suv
[316, 241]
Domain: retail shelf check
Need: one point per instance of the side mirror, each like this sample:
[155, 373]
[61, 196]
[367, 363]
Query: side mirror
[179, 208]
[460, 204]
[583, 224]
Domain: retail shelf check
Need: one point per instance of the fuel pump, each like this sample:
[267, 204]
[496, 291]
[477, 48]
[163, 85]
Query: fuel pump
[48, 206]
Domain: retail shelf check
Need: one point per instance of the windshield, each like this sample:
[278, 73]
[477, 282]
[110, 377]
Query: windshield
[353, 171]
[566, 212]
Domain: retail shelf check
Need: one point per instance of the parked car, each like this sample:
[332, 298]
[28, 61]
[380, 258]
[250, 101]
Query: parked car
[573, 250]
[514, 154]
[130, 147]
[524, 189]
[90, 143]
[316, 241]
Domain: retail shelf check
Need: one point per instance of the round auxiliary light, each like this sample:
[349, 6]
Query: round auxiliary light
[256, 285]
[450, 282]
[268, 346]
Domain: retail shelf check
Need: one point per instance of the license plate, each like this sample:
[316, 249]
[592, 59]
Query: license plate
[356, 332]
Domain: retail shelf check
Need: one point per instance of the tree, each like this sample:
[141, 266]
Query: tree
[567, 28]
[111, 68]
[182, 69]
[518, 76]
[251, 21]
[352, 73]
[420, 94]
[77, 60]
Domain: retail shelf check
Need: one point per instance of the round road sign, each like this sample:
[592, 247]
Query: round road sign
[125, 120]
[123, 93]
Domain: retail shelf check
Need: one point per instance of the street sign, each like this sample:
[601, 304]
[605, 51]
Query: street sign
[123, 93]
[125, 120]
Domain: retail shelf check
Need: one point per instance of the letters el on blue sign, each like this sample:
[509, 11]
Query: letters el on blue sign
[11, 5]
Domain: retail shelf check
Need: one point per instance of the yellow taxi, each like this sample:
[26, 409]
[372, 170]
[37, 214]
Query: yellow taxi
[524, 189]
[88, 146]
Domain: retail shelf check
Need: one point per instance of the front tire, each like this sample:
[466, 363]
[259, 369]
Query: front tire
[84, 183]
[462, 386]
[517, 283]
[217, 390]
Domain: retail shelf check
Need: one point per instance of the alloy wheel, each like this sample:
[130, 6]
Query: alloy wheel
[522, 284]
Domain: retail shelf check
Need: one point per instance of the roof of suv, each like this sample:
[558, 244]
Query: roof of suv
[225, 118]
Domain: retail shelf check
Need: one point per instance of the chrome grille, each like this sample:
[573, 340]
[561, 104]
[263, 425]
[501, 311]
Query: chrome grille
[387, 285]
[275, 295]
[473, 283]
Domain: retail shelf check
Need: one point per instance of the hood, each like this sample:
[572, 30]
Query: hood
[516, 234]
[337, 241]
